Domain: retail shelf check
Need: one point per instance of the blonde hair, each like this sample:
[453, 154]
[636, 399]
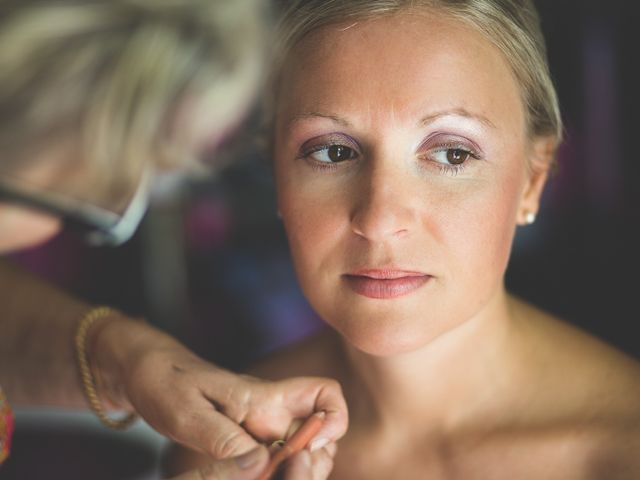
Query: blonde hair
[112, 73]
[512, 25]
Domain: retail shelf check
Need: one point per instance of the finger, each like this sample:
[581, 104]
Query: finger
[307, 431]
[309, 466]
[243, 467]
[331, 400]
[299, 467]
[296, 443]
[214, 434]
[321, 464]
[294, 426]
[314, 394]
[331, 449]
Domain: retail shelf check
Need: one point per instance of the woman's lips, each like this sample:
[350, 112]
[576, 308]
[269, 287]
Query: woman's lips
[385, 283]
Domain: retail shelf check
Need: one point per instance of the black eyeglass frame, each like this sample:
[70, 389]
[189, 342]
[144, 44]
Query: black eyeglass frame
[98, 225]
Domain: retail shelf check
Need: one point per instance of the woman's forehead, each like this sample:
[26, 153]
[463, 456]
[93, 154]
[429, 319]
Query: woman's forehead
[409, 64]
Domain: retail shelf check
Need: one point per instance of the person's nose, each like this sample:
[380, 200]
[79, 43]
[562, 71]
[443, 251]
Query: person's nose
[384, 205]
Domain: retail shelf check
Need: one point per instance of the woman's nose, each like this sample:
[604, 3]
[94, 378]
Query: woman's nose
[383, 207]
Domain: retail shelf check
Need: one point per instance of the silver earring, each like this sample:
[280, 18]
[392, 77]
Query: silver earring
[529, 218]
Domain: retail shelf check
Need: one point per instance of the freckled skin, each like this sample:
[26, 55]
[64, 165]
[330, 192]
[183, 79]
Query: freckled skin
[456, 379]
[457, 228]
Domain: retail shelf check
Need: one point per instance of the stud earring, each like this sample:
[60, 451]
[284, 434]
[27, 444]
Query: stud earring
[529, 218]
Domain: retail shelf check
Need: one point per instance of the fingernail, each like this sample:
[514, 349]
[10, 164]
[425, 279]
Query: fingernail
[249, 459]
[318, 443]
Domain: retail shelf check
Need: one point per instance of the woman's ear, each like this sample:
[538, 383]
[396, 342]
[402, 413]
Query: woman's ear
[541, 158]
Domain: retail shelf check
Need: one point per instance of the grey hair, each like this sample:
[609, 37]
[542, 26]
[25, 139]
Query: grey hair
[513, 26]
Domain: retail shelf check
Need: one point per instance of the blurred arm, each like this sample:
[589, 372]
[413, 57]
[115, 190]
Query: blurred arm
[37, 356]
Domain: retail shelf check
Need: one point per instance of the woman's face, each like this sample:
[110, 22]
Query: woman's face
[401, 167]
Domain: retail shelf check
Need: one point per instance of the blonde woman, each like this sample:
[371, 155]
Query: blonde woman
[411, 139]
[96, 97]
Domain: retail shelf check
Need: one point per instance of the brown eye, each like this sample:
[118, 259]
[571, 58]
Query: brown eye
[339, 153]
[456, 156]
[333, 154]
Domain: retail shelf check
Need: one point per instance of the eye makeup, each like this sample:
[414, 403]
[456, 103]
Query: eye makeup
[328, 151]
[449, 153]
[446, 152]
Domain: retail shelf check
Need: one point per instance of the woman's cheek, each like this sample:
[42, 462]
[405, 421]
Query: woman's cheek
[484, 235]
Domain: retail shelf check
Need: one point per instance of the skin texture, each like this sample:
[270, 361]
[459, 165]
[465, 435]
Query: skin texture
[452, 378]
[393, 206]
[455, 378]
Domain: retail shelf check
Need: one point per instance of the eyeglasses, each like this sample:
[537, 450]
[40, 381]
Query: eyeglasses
[99, 226]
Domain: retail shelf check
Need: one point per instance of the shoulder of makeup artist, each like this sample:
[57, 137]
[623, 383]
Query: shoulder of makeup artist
[106, 94]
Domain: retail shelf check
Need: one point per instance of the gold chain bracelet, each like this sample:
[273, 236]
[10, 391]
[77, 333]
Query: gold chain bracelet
[88, 380]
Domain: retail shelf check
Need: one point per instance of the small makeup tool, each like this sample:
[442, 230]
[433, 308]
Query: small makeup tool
[293, 445]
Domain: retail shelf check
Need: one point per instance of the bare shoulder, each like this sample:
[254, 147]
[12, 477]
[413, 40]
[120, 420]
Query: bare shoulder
[579, 358]
[590, 387]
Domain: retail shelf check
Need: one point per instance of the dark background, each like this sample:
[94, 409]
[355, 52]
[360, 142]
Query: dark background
[582, 259]
[212, 266]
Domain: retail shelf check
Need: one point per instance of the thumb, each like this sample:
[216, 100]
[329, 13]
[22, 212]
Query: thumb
[247, 466]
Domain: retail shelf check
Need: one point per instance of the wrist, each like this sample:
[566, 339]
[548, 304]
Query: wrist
[95, 389]
[120, 345]
[106, 351]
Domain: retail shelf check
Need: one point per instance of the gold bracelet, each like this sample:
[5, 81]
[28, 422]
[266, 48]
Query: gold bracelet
[88, 380]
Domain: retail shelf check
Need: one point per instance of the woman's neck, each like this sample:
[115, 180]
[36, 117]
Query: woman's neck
[450, 383]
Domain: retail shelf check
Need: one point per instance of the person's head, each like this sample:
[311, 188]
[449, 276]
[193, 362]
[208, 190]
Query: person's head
[410, 138]
[96, 94]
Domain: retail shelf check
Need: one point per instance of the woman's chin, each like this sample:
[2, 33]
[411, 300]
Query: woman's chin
[385, 342]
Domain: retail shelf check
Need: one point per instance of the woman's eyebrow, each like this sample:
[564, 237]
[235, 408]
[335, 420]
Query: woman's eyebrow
[456, 112]
[307, 115]
[424, 121]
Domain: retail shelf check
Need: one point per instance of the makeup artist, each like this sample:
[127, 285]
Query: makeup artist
[96, 98]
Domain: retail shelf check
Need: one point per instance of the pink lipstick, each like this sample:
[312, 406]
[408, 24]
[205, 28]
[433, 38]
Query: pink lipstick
[385, 283]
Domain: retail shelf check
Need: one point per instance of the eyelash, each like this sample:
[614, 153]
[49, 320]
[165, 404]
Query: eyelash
[451, 169]
[322, 166]
[454, 169]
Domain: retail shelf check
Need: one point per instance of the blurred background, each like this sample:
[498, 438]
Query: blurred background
[210, 264]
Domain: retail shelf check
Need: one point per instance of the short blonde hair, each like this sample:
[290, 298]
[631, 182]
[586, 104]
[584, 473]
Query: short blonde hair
[113, 72]
[512, 25]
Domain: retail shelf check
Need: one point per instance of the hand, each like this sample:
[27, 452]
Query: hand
[310, 466]
[244, 467]
[302, 466]
[203, 407]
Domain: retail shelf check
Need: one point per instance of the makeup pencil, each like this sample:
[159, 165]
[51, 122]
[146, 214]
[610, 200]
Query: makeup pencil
[296, 443]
